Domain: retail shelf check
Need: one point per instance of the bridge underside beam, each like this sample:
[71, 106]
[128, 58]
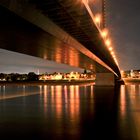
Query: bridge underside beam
[49, 43]
[35, 33]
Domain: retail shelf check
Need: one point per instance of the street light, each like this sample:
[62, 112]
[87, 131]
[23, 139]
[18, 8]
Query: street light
[97, 19]
[112, 52]
[108, 42]
[104, 33]
[110, 48]
[114, 56]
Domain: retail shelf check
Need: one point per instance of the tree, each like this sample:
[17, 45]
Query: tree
[85, 71]
[32, 76]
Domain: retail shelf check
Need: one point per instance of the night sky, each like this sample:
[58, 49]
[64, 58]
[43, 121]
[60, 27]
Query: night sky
[123, 22]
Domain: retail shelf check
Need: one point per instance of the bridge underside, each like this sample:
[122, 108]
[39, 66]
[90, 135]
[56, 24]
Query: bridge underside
[21, 36]
[27, 30]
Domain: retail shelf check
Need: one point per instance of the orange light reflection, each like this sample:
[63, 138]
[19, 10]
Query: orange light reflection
[58, 98]
[74, 102]
[45, 99]
[123, 100]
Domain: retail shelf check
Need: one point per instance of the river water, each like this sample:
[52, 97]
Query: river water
[70, 112]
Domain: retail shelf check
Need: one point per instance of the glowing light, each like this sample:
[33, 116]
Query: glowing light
[115, 59]
[110, 48]
[108, 42]
[122, 71]
[74, 75]
[97, 19]
[112, 52]
[58, 76]
[113, 56]
[104, 33]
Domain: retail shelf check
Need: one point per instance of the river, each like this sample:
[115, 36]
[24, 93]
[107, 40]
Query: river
[70, 112]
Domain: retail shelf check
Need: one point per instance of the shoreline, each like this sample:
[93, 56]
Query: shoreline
[49, 82]
[62, 82]
[129, 80]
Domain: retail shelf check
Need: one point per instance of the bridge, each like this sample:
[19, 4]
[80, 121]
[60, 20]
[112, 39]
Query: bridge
[58, 30]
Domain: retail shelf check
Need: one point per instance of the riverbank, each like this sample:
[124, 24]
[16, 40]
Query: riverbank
[49, 82]
[131, 80]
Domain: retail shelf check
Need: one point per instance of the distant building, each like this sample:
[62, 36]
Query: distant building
[130, 74]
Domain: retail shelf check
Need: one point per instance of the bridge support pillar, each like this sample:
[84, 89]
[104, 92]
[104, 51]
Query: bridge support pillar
[105, 79]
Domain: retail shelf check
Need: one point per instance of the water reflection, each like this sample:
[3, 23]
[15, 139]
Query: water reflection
[129, 111]
[123, 100]
[71, 112]
[8, 92]
[62, 100]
